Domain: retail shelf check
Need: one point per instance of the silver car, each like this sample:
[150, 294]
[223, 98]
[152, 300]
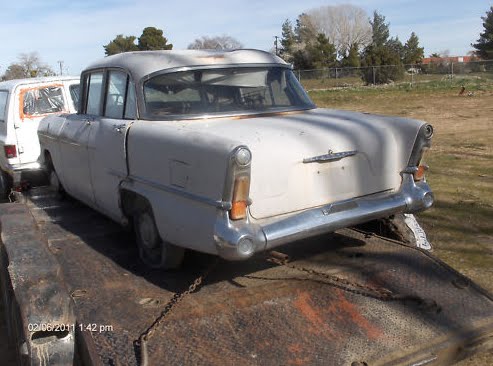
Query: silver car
[225, 153]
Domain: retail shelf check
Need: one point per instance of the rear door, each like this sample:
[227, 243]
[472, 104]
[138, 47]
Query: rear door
[107, 155]
[33, 104]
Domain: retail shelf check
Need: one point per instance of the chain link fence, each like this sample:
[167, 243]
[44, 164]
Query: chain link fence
[408, 74]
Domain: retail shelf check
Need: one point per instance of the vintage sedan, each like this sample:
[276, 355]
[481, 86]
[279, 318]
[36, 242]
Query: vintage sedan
[225, 153]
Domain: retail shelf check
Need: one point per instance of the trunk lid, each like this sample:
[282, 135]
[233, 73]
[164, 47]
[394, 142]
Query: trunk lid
[281, 183]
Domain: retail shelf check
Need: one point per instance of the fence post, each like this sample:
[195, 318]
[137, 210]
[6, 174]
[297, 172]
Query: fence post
[337, 81]
[451, 71]
[374, 80]
[299, 76]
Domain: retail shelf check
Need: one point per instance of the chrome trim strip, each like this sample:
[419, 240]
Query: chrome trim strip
[219, 204]
[329, 157]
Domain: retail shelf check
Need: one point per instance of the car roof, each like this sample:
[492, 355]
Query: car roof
[143, 63]
[11, 84]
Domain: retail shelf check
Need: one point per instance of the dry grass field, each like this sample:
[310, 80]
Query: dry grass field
[460, 225]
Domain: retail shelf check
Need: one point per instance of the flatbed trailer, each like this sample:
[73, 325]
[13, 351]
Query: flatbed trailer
[76, 293]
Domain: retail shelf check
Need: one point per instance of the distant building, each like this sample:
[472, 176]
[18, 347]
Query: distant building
[454, 59]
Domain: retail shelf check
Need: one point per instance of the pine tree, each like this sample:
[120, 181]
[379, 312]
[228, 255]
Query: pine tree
[484, 45]
[323, 53]
[413, 54]
[153, 39]
[381, 57]
[352, 59]
[120, 44]
[288, 41]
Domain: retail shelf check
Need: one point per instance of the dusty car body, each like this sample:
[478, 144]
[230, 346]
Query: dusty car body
[23, 103]
[225, 153]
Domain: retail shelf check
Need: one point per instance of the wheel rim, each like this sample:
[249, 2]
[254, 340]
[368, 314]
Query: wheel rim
[150, 245]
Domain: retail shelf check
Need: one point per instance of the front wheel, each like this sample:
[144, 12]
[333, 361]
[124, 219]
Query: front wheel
[153, 251]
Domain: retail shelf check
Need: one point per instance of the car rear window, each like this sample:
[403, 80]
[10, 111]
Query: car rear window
[234, 90]
[41, 101]
[3, 104]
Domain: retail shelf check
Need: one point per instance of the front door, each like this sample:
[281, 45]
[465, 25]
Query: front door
[75, 172]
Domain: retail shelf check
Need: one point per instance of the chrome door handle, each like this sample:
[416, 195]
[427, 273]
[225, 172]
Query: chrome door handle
[119, 128]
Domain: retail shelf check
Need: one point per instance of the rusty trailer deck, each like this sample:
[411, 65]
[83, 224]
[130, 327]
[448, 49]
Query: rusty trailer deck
[246, 313]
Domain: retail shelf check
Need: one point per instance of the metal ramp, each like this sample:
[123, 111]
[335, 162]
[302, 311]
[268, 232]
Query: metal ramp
[330, 305]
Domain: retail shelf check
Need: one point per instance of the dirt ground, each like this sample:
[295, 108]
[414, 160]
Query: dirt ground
[461, 174]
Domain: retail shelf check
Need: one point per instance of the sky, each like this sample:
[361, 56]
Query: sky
[74, 31]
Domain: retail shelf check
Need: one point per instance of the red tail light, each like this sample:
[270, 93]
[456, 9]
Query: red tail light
[10, 151]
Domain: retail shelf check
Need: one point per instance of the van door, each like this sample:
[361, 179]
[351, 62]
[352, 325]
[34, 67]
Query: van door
[33, 104]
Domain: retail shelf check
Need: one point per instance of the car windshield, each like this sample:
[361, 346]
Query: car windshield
[224, 91]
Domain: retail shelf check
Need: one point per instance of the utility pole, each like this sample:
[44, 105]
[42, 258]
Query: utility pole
[60, 63]
[275, 44]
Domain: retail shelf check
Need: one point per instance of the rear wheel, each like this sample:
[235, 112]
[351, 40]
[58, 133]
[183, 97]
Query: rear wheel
[5, 185]
[154, 251]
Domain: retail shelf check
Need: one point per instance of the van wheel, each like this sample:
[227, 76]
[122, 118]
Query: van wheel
[5, 185]
[153, 251]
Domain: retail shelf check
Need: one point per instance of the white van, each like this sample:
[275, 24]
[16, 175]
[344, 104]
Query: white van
[23, 103]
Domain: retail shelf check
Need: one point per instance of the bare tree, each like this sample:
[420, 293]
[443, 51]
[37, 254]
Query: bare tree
[223, 42]
[29, 65]
[344, 25]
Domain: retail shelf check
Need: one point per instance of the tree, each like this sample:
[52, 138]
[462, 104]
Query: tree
[413, 54]
[484, 45]
[322, 53]
[288, 41]
[120, 44]
[29, 65]
[223, 42]
[153, 39]
[352, 59]
[381, 56]
[345, 26]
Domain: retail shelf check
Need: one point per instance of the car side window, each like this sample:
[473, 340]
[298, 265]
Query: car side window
[131, 103]
[3, 104]
[94, 88]
[75, 93]
[115, 94]
[120, 96]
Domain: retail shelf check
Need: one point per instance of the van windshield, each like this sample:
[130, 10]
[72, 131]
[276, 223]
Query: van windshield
[237, 90]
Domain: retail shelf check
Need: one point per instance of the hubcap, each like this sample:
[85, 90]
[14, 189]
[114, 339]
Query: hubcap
[147, 232]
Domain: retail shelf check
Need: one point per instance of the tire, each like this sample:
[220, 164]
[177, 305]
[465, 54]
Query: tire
[5, 185]
[153, 251]
[53, 180]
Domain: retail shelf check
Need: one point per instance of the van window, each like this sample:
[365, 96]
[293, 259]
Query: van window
[41, 101]
[94, 89]
[3, 104]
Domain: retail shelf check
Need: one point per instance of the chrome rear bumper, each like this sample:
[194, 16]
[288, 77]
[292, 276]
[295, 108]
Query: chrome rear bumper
[237, 241]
